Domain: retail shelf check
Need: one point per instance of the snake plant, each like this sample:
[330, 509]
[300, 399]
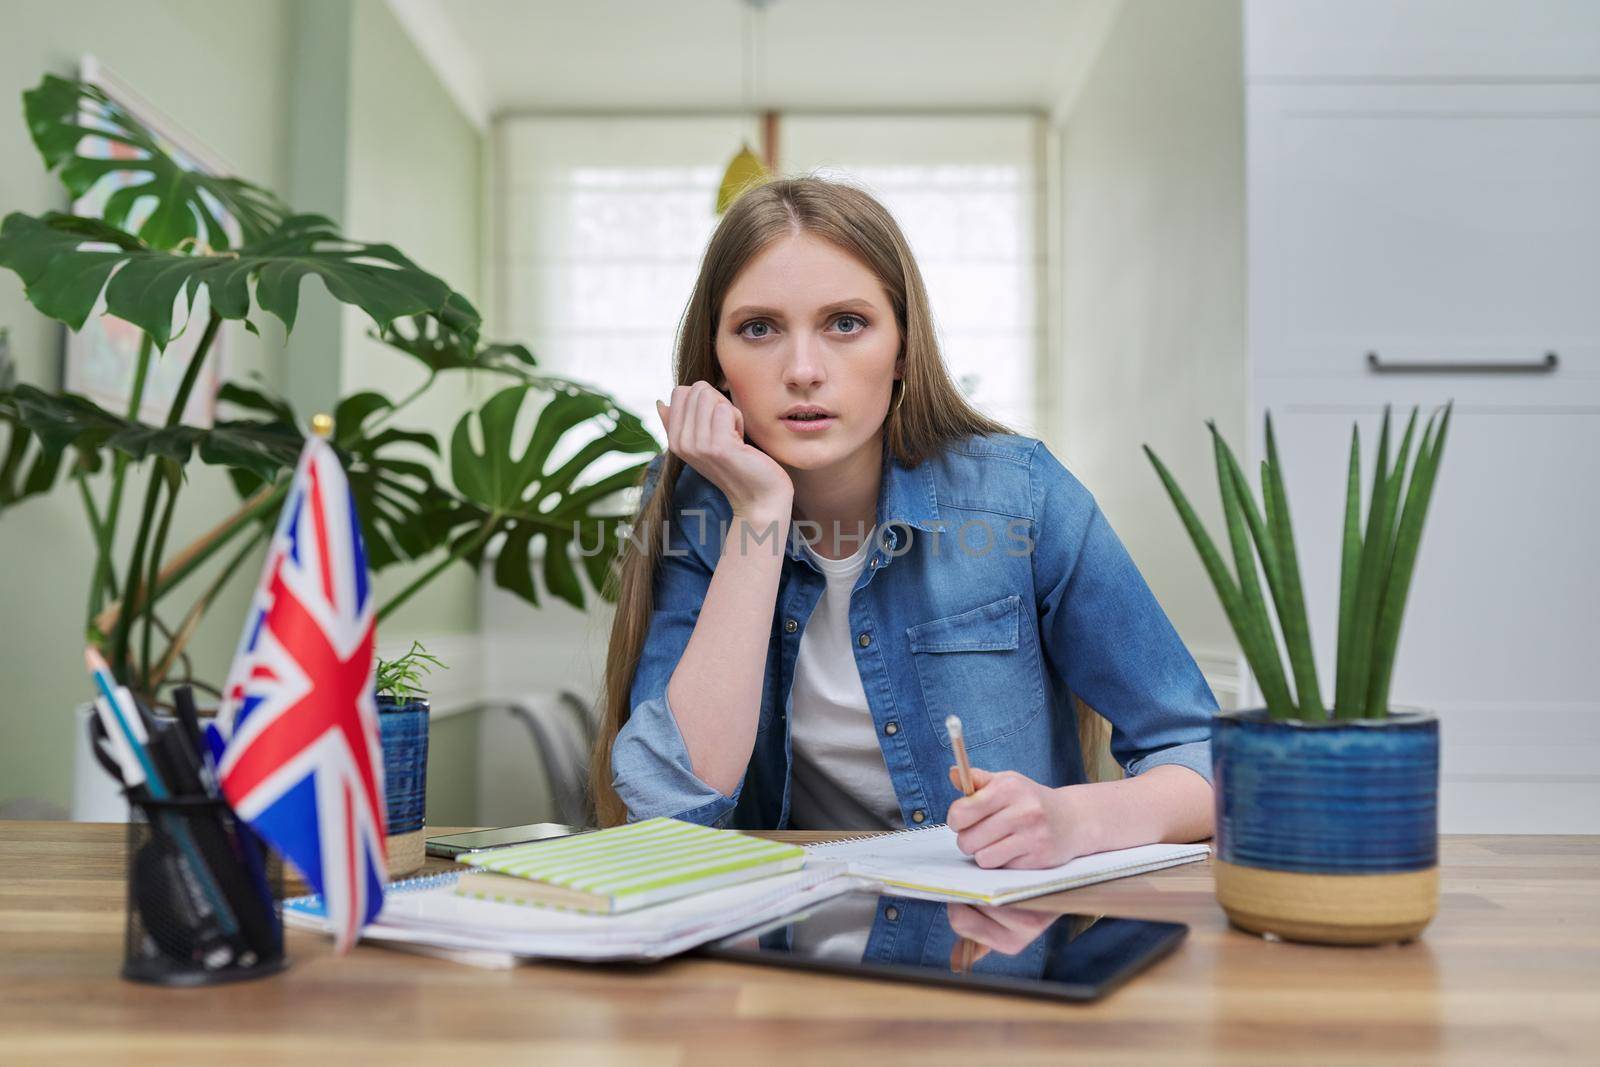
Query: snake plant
[1376, 565]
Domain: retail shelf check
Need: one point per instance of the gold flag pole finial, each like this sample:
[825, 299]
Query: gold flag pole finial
[322, 425]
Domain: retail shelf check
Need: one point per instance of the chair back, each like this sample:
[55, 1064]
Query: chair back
[478, 771]
[1094, 741]
[564, 733]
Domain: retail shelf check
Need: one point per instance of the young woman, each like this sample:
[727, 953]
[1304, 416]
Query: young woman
[837, 552]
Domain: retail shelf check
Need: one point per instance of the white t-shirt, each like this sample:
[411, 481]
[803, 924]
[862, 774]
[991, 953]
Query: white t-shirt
[839, 780]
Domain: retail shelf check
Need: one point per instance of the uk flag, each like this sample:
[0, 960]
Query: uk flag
[302, 762]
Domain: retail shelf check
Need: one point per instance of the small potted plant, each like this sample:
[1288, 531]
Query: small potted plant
[403, 730]
[1327, 817]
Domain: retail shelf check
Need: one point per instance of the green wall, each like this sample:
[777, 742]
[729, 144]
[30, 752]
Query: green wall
[415, 172]
[220, 71]
[415, 179]
[232, 73]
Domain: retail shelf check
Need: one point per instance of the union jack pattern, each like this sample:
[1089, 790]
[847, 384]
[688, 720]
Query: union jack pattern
[302, 761]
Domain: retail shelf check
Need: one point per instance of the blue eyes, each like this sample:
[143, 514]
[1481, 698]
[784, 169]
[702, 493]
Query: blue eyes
[767, 326]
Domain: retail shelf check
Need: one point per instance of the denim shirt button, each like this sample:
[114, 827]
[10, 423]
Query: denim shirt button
[864, 640]
[892, 913]
[891, 728]
[918, 815]
[790, 626]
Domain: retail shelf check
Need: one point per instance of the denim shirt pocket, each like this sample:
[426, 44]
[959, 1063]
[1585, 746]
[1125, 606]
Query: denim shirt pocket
[977, 665]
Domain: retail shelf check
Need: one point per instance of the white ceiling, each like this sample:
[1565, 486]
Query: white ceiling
[509, 55]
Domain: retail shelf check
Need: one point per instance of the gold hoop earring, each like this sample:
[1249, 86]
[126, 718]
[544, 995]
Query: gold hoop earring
[899, 399]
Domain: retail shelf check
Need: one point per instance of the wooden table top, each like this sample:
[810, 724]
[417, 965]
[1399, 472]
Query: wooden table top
[1509, 972]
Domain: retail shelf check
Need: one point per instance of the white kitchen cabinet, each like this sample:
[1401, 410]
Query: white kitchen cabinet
[1416, 40]
[1418, 205]
[1454, 224]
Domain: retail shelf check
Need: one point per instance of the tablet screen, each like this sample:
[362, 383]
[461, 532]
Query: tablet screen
[1012, 949]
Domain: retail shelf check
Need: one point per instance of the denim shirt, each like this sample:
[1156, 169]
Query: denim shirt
[996, 590]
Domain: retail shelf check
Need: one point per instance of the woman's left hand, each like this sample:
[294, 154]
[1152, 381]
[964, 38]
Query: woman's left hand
[1013, 821]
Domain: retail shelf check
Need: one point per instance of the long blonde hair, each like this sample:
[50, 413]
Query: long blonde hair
[931, 413]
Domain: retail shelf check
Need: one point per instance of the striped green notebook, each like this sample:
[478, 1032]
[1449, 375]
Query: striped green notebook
[625, 867]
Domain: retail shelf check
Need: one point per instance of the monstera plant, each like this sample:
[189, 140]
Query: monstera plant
[160, 256]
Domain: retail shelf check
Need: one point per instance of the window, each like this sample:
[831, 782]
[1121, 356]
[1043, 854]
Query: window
[602, 220]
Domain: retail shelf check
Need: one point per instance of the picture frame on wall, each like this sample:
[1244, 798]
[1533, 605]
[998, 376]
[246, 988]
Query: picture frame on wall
[100, 359]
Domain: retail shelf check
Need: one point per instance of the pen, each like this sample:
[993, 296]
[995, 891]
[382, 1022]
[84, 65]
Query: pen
[964, 953]
[952, 726]
[125, 732]
[183, 704]
[130, 728]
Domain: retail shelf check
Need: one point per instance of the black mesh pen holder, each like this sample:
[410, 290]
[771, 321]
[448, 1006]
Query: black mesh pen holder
[204, 895]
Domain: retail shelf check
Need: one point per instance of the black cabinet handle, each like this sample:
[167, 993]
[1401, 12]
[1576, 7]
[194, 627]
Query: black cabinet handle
[1538, 366]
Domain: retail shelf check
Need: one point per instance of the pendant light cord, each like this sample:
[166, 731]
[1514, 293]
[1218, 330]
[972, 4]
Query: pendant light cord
[748, 61]
[754, 42]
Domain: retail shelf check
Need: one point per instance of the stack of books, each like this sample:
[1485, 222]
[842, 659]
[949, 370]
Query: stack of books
[655, 888]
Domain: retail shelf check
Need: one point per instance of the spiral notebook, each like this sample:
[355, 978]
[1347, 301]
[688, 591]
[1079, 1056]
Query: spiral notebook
[925, 862]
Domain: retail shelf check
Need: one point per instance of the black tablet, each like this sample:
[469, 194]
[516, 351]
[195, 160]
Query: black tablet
[453, 845]
[1009, 949]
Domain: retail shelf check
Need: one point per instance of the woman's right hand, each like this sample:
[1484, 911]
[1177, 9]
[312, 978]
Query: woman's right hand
[1005, 929]
[706, 431]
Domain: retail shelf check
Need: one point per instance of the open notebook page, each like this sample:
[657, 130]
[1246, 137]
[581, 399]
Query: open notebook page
[926, 863]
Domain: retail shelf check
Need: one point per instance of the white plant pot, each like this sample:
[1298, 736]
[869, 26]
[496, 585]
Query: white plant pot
[96, 797]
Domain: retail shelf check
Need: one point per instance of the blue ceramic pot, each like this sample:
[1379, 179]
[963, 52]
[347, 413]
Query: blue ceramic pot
[1327, 831]
[403, 731]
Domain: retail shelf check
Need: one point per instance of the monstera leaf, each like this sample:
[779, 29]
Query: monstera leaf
[403, 511]
[63, 261]
[185, 204]
[440, 348]
[273, 408]
[433, 343]
[254, 448]
[27, 468]
[67, 420]
[512, 497]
